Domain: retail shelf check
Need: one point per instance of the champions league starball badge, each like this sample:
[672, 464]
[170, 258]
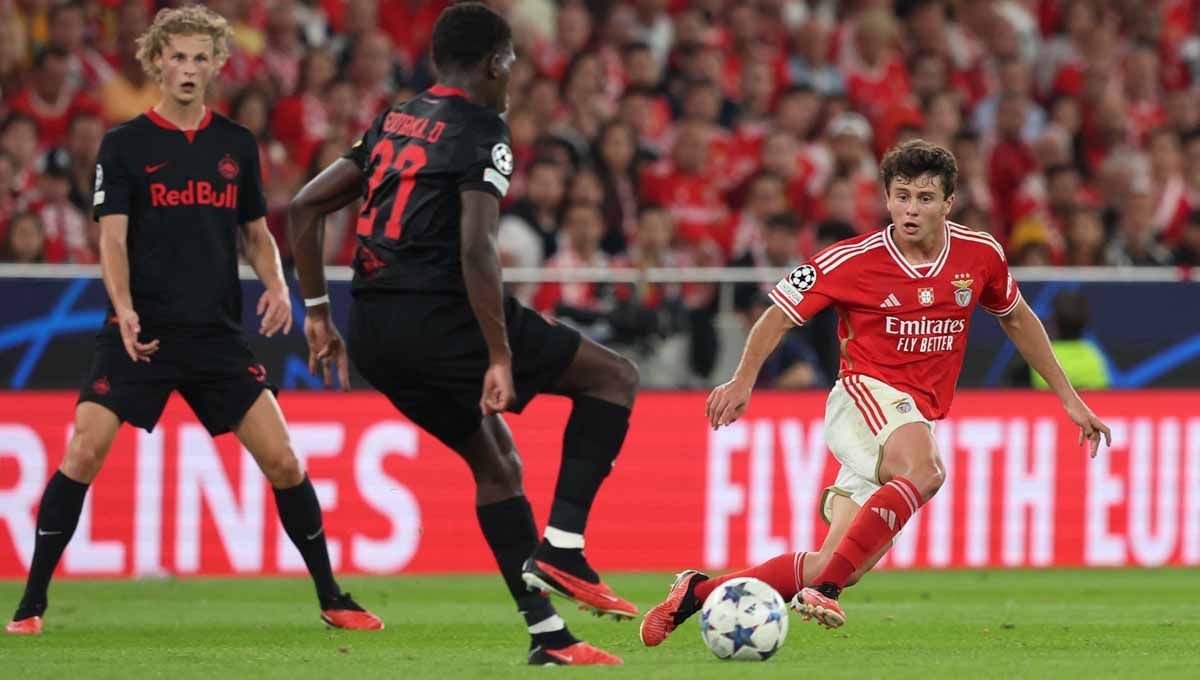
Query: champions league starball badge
[803, 277]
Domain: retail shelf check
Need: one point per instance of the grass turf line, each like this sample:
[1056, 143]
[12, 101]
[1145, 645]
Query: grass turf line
[927, 625]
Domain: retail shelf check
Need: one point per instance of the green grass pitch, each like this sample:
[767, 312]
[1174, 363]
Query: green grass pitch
[968, 624]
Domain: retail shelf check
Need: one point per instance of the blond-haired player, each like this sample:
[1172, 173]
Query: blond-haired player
[174, 187]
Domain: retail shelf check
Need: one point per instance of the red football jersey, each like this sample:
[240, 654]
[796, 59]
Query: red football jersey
[902, 324]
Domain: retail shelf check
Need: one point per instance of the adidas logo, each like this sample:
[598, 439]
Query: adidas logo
[891, 301]
[888, 516]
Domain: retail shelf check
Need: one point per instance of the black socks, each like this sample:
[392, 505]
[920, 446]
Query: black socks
[300, 514]
[593, 438]
[58, 515]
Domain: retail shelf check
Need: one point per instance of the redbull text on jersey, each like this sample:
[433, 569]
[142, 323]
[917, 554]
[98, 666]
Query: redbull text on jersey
[195, 193]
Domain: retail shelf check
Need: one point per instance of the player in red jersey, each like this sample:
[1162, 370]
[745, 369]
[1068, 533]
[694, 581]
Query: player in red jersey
[904, 295]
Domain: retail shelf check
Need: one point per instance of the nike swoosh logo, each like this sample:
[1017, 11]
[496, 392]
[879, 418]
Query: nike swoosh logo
[563, 657]
[151, 169]
[43, 532]
[318, 532]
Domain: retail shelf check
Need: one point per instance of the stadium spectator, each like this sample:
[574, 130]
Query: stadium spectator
[24, 241]
[537, 214]
[129, 92]
[283, 53]
[776, 246]
[654, 27]
[685, 184]
[374, 73]
[1134, 244]
[766, 197]
[87, 70]
[850, 141]
[82, 146]
[301, 121]
[8, 192]
[50, 99]
[1082, 360]
[1187, 250]
[583, 302]
[252, 108]
[1167, 184]
[68, 235]
[1084, 238]
[1015, 82]
[1047, 106]
[617, 165]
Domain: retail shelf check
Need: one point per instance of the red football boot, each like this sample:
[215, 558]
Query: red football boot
[811, 603]
[578, 654]
[566, 573]
[27, 626]
[680, 604]
[345, 613]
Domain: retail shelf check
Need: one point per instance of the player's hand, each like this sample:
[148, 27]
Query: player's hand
[326, 348]
[127, 320]
[1090, 426]
[275, 308]
[727, 403]
[498, 391]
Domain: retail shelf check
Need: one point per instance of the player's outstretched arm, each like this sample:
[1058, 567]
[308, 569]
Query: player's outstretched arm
[114, 266]
[328, 192]
[1025, 330]
[275, 305]
[481, 274]
[332, 190]
[728, 402]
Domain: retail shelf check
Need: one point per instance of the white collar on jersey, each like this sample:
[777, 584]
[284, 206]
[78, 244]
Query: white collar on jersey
[931, 269]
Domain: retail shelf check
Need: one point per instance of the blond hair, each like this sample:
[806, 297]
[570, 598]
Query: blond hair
[186, 20]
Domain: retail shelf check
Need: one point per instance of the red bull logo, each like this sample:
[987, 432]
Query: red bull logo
[195, 193]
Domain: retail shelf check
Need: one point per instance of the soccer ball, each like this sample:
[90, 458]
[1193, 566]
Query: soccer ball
[744, 619]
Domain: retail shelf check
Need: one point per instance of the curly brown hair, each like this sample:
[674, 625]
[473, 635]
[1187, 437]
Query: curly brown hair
[186, 20]
[914, 158]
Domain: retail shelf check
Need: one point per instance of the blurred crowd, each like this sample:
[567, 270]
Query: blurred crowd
[664, 133]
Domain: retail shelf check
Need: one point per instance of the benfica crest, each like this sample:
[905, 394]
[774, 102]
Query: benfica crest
[925, 296]
[963, 293]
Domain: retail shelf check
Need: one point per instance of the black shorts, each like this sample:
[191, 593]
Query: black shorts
[218, 376]
[427, 355]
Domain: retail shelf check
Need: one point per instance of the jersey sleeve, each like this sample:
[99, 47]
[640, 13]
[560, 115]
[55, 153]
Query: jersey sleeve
[488, 158]
[252, 200]
[803, 293]
[1000, 294]
[113, 184]
[359, 152]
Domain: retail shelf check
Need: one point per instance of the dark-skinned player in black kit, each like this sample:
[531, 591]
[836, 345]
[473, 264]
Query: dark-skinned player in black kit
[174, 186]
[431, 329]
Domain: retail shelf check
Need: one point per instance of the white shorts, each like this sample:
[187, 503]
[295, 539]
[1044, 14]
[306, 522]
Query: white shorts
[860, 415]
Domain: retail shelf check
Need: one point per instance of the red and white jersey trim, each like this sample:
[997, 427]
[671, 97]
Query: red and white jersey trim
[1007, 310]
[968, 234]
[788, 308]
[834, 257]
[908, 268]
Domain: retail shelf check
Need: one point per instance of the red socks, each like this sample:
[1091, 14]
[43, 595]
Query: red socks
[784, 573]
[877, 523]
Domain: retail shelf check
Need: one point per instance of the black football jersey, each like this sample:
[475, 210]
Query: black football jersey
[186, 194]
[417, 158]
